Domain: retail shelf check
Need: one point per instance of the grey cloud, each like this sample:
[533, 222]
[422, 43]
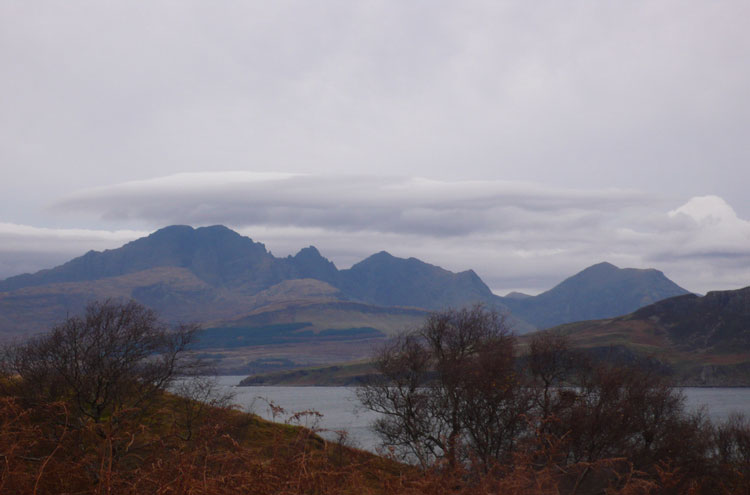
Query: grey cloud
[351, 203]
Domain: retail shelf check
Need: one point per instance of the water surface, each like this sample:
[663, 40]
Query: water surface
[342, 412]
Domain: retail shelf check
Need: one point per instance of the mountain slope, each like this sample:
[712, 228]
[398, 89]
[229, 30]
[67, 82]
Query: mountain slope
[309, 263]
[216, 255]
[600, 291]
[389, 281]
[717, 322]
[705, 340]
[213, 275]
[174, 292]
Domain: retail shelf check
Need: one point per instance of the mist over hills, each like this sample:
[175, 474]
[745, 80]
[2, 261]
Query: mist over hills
[216, 276]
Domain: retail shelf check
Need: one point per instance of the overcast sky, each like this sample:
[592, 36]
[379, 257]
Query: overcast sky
[525, 140]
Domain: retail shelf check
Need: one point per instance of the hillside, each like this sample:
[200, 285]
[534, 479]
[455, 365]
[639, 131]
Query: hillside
[222, 258]
[600, 291]
[698, 340]
[717, 322]
[215, 276]
[703, 340]
[216, 255]
[181, 446]
[389, 281]
[175, 292]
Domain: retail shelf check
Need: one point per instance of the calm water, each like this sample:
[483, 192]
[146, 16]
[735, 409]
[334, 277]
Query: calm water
[342, 412]
[339, 406]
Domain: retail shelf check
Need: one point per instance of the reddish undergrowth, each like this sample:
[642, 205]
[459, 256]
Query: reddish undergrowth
[44, 449]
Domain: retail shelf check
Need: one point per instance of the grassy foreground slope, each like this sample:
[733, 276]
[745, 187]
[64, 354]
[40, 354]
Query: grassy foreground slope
[221, 451]
[184, 447]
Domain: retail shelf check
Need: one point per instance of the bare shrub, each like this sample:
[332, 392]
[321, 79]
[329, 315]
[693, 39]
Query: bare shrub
[195, 396]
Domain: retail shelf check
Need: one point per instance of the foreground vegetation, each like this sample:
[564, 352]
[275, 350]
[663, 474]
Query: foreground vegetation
[454, 396]
[86, 409]
[90, 413]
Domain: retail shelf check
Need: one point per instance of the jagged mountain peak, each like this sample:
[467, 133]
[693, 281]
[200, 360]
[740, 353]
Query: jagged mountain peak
[216, 254]
[309, 263]
[184, 270]
[384, 259]
[308, 251]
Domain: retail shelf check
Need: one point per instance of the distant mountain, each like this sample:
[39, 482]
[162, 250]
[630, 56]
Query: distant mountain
[214, 275]
[309, 263]
[600, 291]
[389, 281]
[216, 255]
[702, 340]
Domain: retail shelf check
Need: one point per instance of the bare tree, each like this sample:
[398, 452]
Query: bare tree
[400, 395]
[116, 355]
[550, 362]
[449, 391]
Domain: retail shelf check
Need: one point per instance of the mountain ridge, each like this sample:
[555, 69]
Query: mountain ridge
[216, 272]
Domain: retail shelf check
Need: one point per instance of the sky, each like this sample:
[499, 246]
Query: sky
[524, 140]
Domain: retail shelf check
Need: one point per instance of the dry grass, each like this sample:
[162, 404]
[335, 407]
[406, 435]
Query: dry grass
[45, 450]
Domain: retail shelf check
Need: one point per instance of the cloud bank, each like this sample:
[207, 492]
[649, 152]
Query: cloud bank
[345, 203]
